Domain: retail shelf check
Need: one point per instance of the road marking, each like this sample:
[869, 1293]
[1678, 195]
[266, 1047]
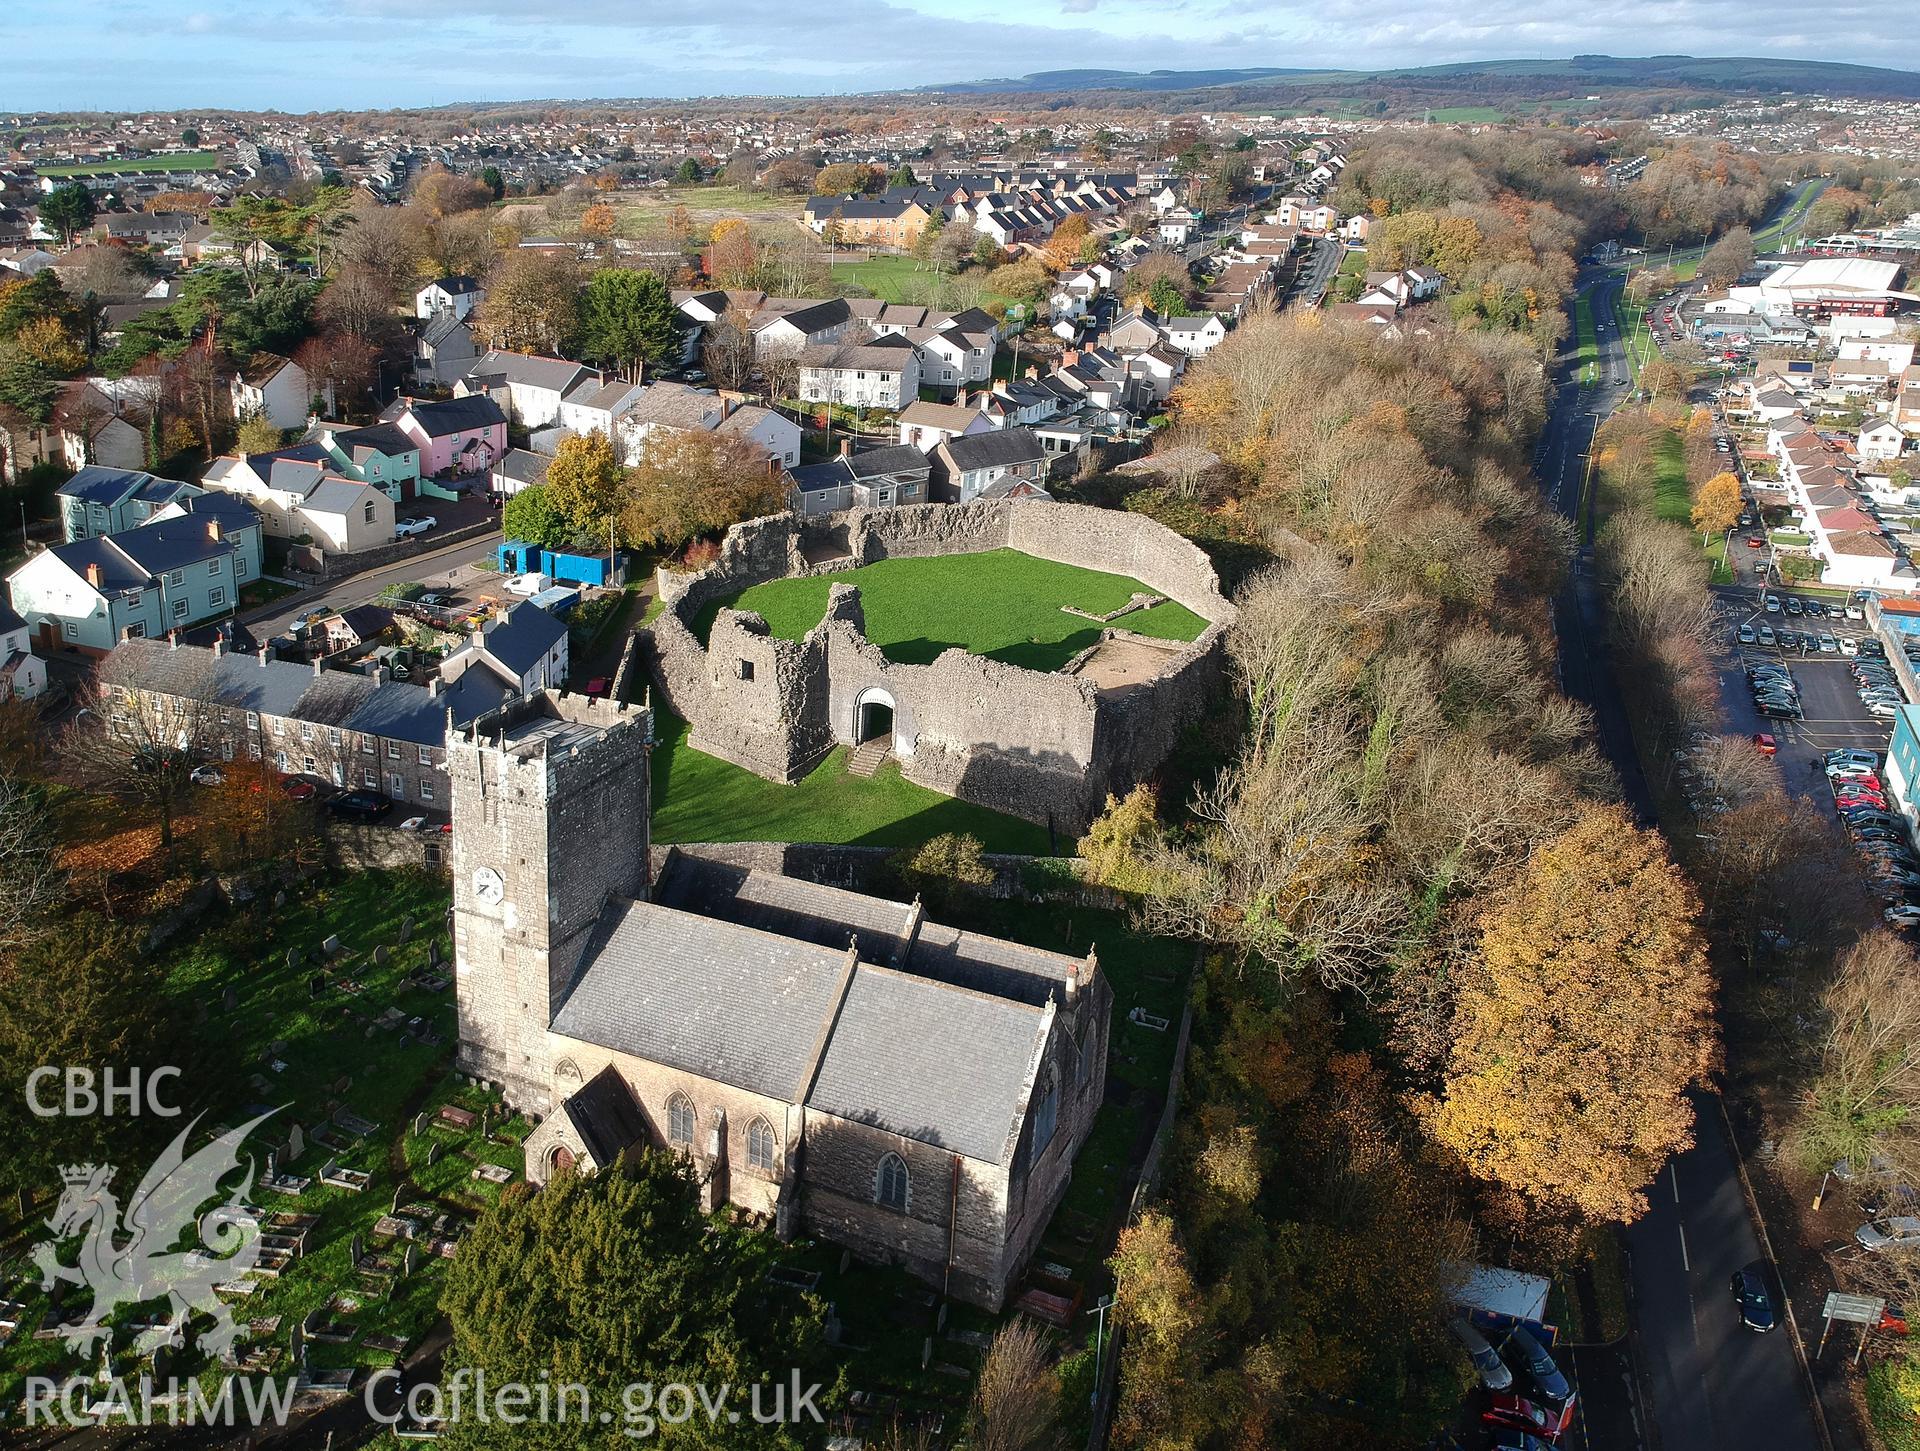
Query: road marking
[1673, 1175]
[1685, 1263]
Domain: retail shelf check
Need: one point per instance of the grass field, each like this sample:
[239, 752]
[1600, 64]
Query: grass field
[1672, 499]
[1001, 604]
[1467, 115]
[1587, 354]
[166, 161]
[891, 279]
[697, 797]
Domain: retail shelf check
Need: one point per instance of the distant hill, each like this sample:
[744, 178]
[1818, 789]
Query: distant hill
[1510, 80]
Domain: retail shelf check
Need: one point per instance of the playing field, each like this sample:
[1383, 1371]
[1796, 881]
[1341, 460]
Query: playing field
[166, 161]
[1002, 604]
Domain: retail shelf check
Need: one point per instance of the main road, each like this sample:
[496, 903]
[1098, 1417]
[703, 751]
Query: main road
[1708, 1382]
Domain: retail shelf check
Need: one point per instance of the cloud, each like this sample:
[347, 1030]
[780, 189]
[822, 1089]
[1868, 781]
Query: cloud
[138, 53]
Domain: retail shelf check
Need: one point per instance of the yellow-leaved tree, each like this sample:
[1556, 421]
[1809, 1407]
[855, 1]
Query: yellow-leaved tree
[1716, 508]
[1581, 1022]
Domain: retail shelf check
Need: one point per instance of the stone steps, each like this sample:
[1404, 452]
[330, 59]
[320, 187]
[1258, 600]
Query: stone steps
[868, 755]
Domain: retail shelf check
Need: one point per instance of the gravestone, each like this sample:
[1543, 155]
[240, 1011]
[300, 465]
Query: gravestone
[353, 1250]
[941, 1322]
[293, 957]
[317, 985]
[297, 1343]
[406, 930]
[486, 1123]
[229, 999]
[273, 1166]
[343, 1084]
[419, 1123]
[926, 1352]
[433, 952]
[433, 1153]
[331, 945]
[398, 1190]
[279, 900]
[296, 1142]
[407, 1262]
[380, 955]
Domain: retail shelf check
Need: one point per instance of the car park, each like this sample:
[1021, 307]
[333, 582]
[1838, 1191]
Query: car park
[1746, 635]
[1753, 1300]
[1849, 646]
[1828, 645]
[1849, 757]
[1782, 712]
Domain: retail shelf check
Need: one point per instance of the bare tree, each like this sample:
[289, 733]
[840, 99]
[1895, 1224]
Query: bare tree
[727, 349]
[145, 730]
[1865, 1105]
[1016, 1405]
[31, 879]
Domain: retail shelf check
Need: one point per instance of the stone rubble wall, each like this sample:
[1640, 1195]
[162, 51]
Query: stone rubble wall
[1048, 747]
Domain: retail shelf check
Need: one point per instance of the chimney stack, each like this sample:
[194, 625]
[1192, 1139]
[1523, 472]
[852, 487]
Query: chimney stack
[435, 686]
[173, 639]
[219, 646]
[846, 448]
[380, 675]
[266, 654]
[319, 666]
[94, 577]
[213, 530]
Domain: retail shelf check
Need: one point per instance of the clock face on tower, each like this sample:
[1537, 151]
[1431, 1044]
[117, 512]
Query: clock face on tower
[488, 887]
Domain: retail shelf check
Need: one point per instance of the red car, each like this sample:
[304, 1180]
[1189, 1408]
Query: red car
[299, 790]
[1511, 1412]
[1764, 743]
[1755, 542]
[597, 687]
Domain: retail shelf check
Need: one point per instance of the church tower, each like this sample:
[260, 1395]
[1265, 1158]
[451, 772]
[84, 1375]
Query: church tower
[550, 804]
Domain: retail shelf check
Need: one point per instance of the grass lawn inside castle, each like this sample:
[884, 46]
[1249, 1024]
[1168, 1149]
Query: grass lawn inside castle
[1002, 604]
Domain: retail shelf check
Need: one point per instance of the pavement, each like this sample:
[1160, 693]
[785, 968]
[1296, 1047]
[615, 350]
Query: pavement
[1691, 1382]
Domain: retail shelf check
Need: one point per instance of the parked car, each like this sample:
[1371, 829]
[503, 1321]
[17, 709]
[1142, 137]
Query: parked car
[297, 789]
[1764, 743]
[1846, 755]
[1746, 634]
[1767, 637]
[529, 584]
[1829, 645]
[1855, 611]
[1900, 1232]
[1753, 1300]
[1538, 1364]
[363, 805]
[207, 776]
[1793, 606]
[407, 528]
[1493, 1370]
[1516, 1413]
[1849, 646]
[1782, 712]
[1903, 915]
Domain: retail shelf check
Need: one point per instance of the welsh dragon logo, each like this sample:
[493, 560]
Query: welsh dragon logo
[131, 1259]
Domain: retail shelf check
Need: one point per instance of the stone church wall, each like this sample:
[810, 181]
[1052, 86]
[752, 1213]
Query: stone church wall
[1045, 746]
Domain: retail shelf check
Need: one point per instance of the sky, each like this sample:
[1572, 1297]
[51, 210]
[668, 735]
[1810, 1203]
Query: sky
[304, 55]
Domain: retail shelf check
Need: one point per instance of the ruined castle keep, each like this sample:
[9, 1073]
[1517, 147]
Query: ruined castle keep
[1047, 746]
[835, 1063]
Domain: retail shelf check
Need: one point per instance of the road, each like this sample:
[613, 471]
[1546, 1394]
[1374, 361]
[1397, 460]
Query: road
[359, 589]
[1316, 276]
[1710, 1383]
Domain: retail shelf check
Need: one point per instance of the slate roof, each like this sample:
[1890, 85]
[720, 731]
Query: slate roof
[930, 1062]
[954, 416]
[455, 285]
[523, 465]
[557, 374]
[825, 916]
[521, 639]
[97, 484]
[1002, 448]
[451, 415]
[133, 558]
[712, 998]
[894, 458]
[888, 354]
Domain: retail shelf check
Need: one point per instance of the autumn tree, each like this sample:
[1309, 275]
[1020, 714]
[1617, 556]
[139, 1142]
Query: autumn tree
[1727, 258]
[1716, 508]
[255, 434]
[531, 304]
[584, 485]
[1585, 1016]
[32, 883]
[597, 221]
[1016, 1403]
[1063, 247]
[843, 179]
[730, 253]
[441, 193]
[531, 515]
[1864, 1104]
[688, 484]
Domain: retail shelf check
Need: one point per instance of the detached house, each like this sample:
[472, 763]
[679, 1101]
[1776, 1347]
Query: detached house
[528, 388]
[524, 649]
[455, 296]
[273, 388]
[927, 425]
[880, 478]
[1194, 336]
[676, 408]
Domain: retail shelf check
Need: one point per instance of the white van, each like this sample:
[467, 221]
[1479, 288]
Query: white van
[529, 584]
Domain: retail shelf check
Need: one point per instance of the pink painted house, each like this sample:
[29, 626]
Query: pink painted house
[455, 435]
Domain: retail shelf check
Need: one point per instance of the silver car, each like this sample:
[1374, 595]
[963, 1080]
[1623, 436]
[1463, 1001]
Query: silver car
[1900, 1232]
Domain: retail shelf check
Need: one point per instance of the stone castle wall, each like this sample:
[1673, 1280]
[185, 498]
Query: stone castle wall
[1045, 746]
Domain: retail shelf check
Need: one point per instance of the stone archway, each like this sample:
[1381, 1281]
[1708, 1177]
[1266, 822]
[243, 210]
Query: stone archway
[560, 1160]
[875, 714]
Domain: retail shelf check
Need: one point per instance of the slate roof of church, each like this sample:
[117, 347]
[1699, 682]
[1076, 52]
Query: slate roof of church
[736, 975]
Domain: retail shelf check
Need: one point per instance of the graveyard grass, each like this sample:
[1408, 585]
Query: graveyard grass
[326, 1039]
[1001, 603]
[888, 1318]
